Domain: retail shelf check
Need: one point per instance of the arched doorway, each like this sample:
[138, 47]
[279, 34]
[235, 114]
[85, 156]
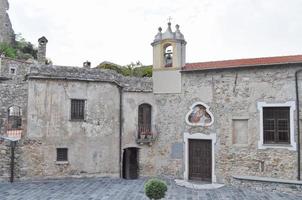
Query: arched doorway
[130, 163]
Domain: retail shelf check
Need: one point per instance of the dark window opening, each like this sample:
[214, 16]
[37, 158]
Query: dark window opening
[62, 154]
[14, 118]
[77, 109]
[276, 127]
[144, 120]
[12, 71]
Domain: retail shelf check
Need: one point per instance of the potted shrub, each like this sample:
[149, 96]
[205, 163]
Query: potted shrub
[155, 189]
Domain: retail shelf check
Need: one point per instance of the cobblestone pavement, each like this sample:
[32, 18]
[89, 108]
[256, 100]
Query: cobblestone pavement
[111, 189]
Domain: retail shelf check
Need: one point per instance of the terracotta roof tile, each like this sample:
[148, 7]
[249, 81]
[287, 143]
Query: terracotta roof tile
[224, 64]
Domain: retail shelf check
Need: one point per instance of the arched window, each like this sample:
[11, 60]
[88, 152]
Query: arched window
[14, 117]
[144, 120]
[168, 55]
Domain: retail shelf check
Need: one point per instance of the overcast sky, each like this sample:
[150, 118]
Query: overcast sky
[121, 31]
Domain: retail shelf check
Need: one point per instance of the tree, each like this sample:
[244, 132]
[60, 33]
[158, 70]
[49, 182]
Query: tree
[133, 69]
[20, 49]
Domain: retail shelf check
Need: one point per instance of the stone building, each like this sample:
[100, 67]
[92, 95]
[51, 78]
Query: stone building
[231, 122]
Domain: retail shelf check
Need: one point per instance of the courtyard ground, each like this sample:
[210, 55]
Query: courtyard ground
[118, 189]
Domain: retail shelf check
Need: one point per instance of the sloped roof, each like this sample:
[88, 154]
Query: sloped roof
[238, 63]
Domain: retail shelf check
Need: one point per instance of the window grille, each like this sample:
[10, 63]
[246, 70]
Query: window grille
[62, 154]
[77, 109]
[276, 129]
[14, 118]
[144, 120]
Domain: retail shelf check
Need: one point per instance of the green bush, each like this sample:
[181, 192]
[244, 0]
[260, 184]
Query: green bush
[155, 189]
[8, 50]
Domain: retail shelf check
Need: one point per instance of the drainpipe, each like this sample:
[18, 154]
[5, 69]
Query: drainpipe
[121, 129]
[298, 124]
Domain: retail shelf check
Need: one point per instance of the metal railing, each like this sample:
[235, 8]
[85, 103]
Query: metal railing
[146, 135]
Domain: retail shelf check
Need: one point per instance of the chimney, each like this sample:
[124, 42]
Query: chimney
[87, 64]
[42, 50]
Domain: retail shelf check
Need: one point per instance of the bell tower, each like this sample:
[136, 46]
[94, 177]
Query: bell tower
[169, 52]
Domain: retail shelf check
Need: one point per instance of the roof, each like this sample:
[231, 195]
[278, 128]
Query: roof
[238, 63]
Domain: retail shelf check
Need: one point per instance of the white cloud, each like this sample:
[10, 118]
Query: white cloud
[121, 31]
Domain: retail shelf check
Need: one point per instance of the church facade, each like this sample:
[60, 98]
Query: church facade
[217, 122]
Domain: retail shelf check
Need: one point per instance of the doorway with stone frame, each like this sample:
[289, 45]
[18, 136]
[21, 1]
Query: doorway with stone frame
[200, 160]
[199, 157]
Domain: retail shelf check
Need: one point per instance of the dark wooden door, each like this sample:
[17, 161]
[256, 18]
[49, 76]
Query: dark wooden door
[130, 163]
[200, 160]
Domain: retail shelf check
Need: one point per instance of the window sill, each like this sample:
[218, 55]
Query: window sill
[290, 147]
[62, 162]
[77, 120]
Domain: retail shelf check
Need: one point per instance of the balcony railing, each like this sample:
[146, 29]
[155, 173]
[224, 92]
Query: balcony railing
[146, 135]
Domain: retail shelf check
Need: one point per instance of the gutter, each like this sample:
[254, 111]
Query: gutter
[298, 125]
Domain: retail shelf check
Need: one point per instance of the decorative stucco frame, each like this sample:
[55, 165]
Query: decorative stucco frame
[191, 109]
[199, 136]
[292, 107]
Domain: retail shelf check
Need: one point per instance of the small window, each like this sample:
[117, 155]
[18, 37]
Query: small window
[77, 109]
[276, 125]
[14, 118]
[62, 154]
[144, 120]
[12, 71]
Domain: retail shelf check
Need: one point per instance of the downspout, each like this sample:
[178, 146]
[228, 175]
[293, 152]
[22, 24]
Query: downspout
[121, 129]
[298, 124]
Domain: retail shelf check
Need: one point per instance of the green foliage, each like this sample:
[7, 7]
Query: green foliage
[155, 189]
[128, 70]
[8, 50]
[21, 49]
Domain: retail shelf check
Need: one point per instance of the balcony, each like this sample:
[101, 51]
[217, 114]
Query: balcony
[146, 135]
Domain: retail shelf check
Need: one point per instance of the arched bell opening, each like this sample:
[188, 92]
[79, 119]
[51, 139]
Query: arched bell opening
[168, 55]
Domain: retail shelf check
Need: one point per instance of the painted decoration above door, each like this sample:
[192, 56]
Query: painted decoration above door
[199, 115]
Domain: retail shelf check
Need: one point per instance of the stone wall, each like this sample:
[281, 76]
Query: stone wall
[13, 90]
[231, 95]
[92, 144]
[7, 34]
[4, 161]
[268, 184]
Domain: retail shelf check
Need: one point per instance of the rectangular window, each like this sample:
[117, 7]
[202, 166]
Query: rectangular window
[276, 125]
[12, 71]
[77, 109]
[62, 154]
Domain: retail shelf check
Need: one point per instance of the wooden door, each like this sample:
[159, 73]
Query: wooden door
[200, 160]
[130, 163]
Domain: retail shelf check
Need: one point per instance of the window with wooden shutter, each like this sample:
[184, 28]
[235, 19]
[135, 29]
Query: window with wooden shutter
[144, 119]
[62, 154]
[276, 125]
[77, 109]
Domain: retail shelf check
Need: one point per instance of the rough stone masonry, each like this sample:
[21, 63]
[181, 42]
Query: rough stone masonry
[131, 127]
[7, 34]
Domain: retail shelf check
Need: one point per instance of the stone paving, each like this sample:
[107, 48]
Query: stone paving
[111, 189]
